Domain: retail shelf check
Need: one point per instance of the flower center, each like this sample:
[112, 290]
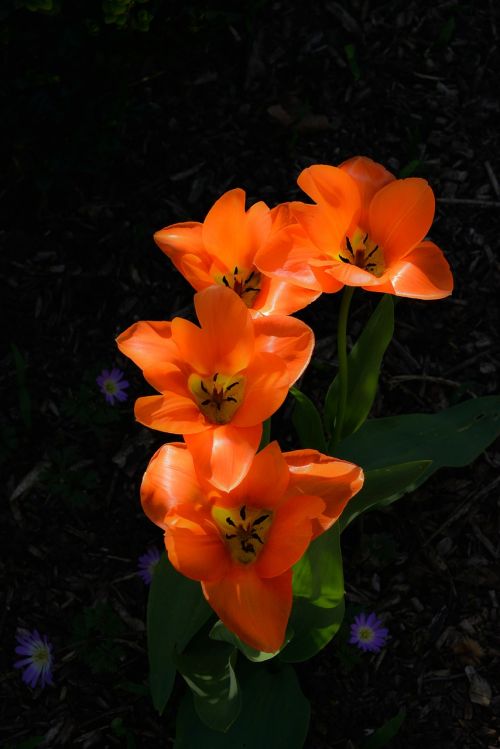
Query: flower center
[219, 396]
[41, 655]
[244, 530]
[366, 634]
[362, 252]
[246, 283]
[110, 387]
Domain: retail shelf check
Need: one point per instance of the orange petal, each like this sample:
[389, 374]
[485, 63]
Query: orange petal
[286, 255]
[267, 383]
[192, 345]
[256, 610]
[348, 275]
[223, 454]
[169, 480]
[171, 412]
[227, 327]
[178, 240]
[289, 535]
[335, 481]
[150, 346]
[370, 177]
[334, 189]
[265, 482]
[282, 298]
[321, 227]
[291, 339]
[423, 273]
[194, 544]
[400, 215]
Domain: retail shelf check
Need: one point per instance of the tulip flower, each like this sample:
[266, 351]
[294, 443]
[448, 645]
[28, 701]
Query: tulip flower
[366, 229]
[242, 544]
[222, 249]
[220, 381]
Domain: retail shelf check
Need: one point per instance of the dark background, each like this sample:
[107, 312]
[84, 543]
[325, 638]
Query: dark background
[112, 130]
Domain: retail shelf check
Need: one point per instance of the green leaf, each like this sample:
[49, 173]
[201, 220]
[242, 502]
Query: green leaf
[176, 611]
[307, 422]
[453, 437]
[220, 632]
[363, 365]
[318, 588]
[382, 487]
[208, 669]
[385, 733]
[275, 714]
[266, 434]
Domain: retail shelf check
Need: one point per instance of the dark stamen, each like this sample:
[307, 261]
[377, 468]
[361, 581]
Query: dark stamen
[233, 384]
[371, 253]
[230, 535]
[365, 238]
[230, 522]
[260, 519]
[344, 259]
[203, 387]
[349, 245]
[257, 537]
[249, 277]
[250, 288]
[248, 547]
[224, 281]
[230, 398]
[243, 512]
[205, 403]
[235, 272]
[215, 376]
[370, 265]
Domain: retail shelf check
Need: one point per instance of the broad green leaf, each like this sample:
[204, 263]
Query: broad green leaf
[307, 422]
[176, 611]
[383, 735]
[266, 434]
[275, 714]
[453, 437]
[363, 365]
[208, 669]
[318, 589]
[220, 632]
[382, 487]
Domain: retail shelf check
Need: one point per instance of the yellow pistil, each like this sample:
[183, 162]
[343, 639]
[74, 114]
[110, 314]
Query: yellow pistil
[219, 396]
[245, 282]
[244, 530]
[361, 251]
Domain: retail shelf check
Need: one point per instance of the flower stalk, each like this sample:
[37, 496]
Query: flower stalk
[343, 373]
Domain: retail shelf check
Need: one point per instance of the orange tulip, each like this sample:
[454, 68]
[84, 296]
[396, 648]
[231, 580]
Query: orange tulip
[221, 250]
[242, 544]
[366, 229]
[218, 383]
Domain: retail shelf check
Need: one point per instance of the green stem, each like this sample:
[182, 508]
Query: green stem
[342, 356]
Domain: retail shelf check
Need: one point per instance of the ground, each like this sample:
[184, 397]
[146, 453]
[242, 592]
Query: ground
[113, 134]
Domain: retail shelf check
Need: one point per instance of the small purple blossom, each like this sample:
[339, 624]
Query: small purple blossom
[368, 633]
[147, 564]
[38, 661]
[112, 385]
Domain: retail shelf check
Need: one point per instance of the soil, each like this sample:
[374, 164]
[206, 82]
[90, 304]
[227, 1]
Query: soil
[113, 135]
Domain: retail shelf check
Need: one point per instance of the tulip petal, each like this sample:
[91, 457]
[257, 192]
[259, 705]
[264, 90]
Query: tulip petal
[334, 481]
[286, 255]
[370, 177]
[177, 239]
[150, 345]
[330, 186]
[223, 454]
[291, 339]
[290, 534]
[265, 482]
[266, 387]
[194, 544]
[278, 297]
[400, 215]
[257, 610]
[423, 273]
[170, 412]
[169, 480]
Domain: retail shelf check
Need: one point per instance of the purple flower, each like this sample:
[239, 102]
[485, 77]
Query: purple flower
[112, 385]
[147, 564]
[38, 661]
[367, 633]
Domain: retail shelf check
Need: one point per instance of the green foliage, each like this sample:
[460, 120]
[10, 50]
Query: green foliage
[318, 588]
[207, 667]
[382, 486]
[266, 434]
[220, 632]
[94, 630]
[120, 729]
[453, 437]
[307, 422]
[363, 365]
[176, 611]
[383, 735]
[22, 388]
[274, 714]
[352, 60]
